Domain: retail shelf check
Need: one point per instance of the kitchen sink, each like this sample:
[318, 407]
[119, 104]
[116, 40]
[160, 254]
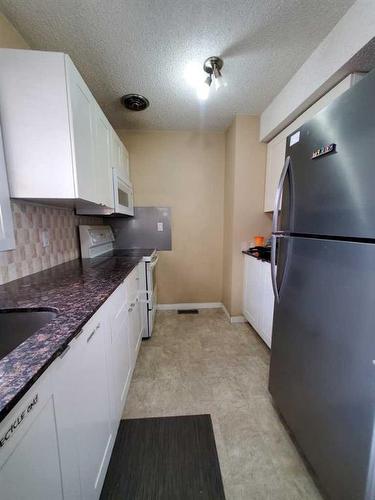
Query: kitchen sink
[16, 325]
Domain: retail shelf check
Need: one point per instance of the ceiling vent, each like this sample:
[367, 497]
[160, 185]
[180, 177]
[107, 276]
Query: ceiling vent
[135, 102]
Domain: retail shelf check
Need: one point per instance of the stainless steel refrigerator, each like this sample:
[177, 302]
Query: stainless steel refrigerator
[322, 373]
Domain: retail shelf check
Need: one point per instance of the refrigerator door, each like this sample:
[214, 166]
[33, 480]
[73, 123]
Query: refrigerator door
[322, 373]
[333, 194]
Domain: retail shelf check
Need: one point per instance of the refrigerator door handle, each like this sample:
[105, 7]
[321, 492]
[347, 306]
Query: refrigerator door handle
[279, 191]
[273, 268]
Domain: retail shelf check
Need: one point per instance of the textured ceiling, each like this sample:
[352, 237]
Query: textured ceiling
[123, 46]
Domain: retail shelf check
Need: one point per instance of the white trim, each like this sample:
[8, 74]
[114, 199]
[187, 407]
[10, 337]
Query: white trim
[238, 319]
[202, 305]
[226, 312]
[190, 305]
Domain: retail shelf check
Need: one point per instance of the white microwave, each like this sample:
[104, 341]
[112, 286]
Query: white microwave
[122, 195]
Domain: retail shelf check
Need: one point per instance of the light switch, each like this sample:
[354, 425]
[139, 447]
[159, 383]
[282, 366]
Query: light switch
[45, 238]
[160, 226]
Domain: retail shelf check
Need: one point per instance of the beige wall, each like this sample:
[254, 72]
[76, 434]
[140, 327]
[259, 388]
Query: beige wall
[184, 170]
[9, 36]
[230, 159]
[244, 199]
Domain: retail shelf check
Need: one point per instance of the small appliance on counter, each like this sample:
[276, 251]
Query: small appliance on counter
[97, 243]
[260, 252]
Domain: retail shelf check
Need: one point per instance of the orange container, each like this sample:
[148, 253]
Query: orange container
[259, 241]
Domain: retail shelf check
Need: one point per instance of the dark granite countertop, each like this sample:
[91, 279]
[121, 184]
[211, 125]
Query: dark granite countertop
[76, 289]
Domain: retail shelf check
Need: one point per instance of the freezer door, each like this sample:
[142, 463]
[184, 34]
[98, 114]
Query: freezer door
[333, 194]
[322, 370]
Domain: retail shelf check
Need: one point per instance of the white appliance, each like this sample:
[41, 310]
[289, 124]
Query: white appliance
[152, 291]
[98, 241]
[95, 241]
[122, 195]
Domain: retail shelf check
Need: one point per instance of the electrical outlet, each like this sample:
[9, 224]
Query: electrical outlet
[160, 226]
[45, 238]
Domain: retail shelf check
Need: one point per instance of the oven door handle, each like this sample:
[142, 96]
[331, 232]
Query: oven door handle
[153, 263]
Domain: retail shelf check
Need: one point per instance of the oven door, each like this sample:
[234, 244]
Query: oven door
[152, 294]
[123, 195]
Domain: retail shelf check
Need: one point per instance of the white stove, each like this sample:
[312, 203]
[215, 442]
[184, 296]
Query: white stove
[98, 241]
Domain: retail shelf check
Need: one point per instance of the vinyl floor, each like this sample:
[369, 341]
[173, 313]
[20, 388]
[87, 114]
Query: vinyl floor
[201, 364]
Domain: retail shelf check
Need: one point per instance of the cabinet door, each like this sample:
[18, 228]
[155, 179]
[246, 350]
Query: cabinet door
[119, 351]
[66, 374]
[275, 161]
[102, 160]
[141, 292]
[125, 162]
[134, 330]
[82, 121]
[6, 221]
[267, 305]
[94, 428]
[119, 157]
[29, 455]
[253, 285]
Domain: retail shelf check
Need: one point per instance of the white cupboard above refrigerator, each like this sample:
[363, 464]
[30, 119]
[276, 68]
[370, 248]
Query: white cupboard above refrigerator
[276, 148]
[59, 146]
[7, 241]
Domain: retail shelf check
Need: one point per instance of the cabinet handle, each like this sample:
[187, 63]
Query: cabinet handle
[130, 309]
[93, 332]
[78, 334]
[137, 300]
[66, 349]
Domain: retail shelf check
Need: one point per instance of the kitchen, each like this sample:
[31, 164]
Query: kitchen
[136, 327]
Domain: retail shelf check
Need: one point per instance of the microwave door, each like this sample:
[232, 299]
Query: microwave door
[123, 197]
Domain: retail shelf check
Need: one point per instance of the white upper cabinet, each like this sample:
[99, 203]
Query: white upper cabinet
[83, 129]
[120, 158]
[7, 241]
[102, 149]
[276, 148]
[58, 144]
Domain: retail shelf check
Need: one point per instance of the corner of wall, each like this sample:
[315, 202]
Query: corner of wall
[10, 38]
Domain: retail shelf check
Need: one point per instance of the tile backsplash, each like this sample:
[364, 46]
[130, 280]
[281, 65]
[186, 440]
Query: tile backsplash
[30, 256]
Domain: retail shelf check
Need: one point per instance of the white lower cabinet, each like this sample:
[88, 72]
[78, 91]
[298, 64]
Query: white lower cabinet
[258, 300]
[56, 443]
[93, 424]
[120, 357]
[66, 374]
[134, 314]
[29, 450]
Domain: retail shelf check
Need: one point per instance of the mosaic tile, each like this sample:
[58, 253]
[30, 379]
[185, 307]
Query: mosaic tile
[29, 256]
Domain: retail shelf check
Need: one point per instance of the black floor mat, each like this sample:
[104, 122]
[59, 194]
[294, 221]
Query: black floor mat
[170, 458]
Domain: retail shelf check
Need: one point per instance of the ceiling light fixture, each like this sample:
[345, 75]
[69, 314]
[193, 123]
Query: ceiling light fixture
[213, 66]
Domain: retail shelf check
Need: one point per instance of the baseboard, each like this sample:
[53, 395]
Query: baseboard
[237, 319]
[233, 319]
[190, 305]
[201, 305]
[226, 311]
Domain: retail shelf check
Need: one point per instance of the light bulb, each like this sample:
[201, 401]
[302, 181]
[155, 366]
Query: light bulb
[203, 91]
[193, 74]
[220, 82]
